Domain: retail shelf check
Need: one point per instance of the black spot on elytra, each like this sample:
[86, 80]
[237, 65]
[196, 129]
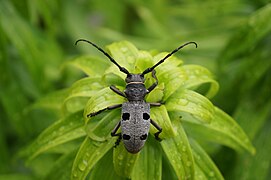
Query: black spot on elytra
[126, 137]
[146, 116]
[125, 116]
[143, 137]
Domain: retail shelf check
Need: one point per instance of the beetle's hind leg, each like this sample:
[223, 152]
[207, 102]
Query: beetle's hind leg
[113, 133]
[158, 128]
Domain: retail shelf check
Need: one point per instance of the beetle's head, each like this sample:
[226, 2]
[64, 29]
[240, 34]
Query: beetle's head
[134, 78]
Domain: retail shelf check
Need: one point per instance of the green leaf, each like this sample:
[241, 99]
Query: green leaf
[61, 169]
[125, 53]
[187, 101]
[178, 152]
[197, 75]
[104, 169]
[99, 127]
[143, 61]
[160, 116]
[88, 155]
[257, 27]
[205, 167]
[149, 164]
[257, 166]
[90, 65]
[80, 92]
[124, 161]
[51, 101]
[169, 73]
[64, 130]
[101, 100]
[223, 130]
[157, 94]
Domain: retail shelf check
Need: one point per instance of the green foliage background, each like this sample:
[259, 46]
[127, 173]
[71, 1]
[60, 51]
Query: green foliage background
[37, 38]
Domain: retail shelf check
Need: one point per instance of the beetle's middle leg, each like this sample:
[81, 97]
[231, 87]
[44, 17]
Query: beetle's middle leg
[158, 128]
[107, 108]
[114, 133]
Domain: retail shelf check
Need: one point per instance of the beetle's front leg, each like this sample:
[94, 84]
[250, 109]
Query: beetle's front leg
[116, 90]
[107, 108]
[155, 83]
[114, 133]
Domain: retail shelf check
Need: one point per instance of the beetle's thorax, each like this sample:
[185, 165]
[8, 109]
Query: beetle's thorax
[135, 88]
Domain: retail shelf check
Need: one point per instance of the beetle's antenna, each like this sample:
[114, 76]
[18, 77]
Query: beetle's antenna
[122, 69]
[167, 56]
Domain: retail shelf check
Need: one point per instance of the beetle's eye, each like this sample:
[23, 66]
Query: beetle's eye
[126, 137]
[146, 116]
[125, 116]
[143, 137]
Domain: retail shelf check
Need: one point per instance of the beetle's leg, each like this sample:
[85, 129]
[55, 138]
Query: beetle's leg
[155, 104]
[116, 90]
[113, 133]
[158, 128]
[107, 108]
[155, 83]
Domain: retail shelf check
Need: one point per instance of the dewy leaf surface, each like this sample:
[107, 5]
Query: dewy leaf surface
[125, 54]
[149, 164]
[88, 155]
[92, 66]
[124, 161]
[205, 167]
[160, 116]
[223, 130]
[179, 154]
[193, 103]
[80, 92]
[64, 130]
[195, 76]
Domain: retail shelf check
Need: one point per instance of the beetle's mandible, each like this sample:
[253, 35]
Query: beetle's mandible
[135, 115]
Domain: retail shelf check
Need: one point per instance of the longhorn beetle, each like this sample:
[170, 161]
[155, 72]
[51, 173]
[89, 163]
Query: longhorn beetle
[135, 116]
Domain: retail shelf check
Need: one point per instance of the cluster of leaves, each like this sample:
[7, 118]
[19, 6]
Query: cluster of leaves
[37, 36]
[176, 90]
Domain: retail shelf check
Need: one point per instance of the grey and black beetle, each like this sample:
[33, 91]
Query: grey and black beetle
[135, 116]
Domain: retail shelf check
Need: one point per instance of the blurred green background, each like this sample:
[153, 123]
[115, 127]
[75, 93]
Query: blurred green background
[37, 37]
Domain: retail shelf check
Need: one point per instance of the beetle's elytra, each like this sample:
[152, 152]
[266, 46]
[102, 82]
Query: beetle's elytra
[135, 115]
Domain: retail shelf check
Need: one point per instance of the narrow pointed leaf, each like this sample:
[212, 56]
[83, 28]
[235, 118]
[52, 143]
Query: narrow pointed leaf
[104, 168]
[149, 164]
[80, 92]
[197, 75]
[64, 130]
[88, 155]
[206, 169]
[187, 101]
[178, 152]
[124, 161]
[223, 130]
[61, 169]
[125, 54]
[169, 73]
[92, 66]
[160, 116]
[51, 101]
